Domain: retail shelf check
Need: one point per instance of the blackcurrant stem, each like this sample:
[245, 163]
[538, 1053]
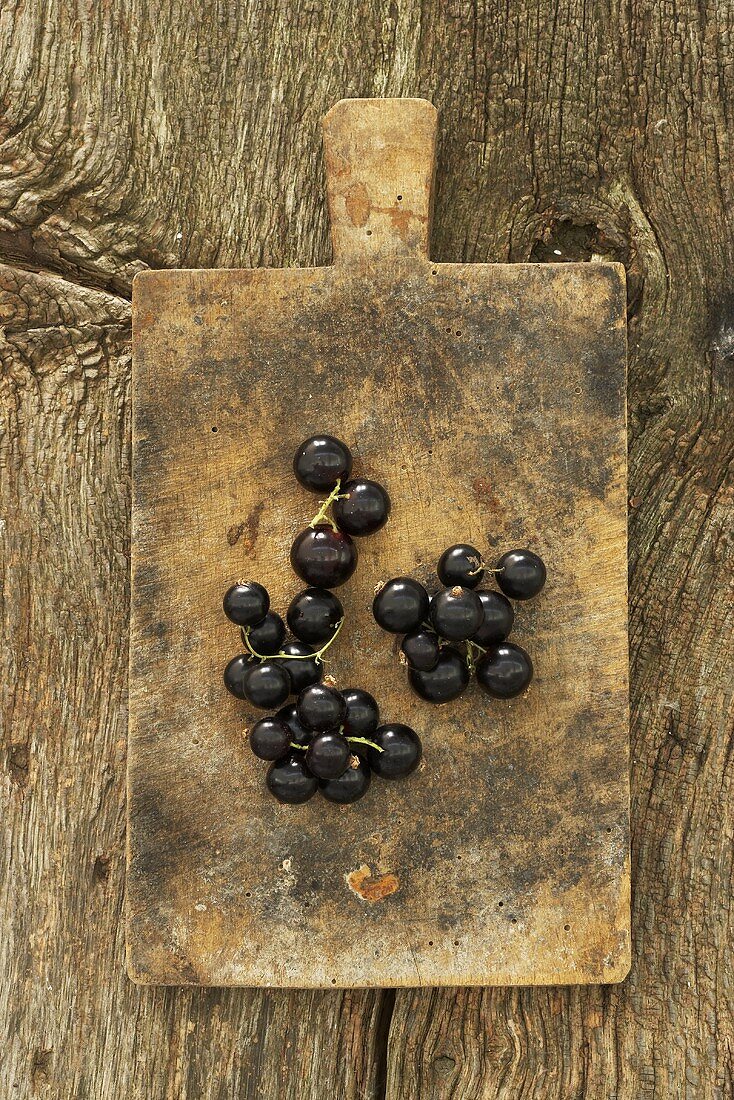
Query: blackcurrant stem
[470, 648]
[479, 568]
[295, 745]
[246, 640]
[364, 741]
[317, 656]
[334, 636]
[323, 512]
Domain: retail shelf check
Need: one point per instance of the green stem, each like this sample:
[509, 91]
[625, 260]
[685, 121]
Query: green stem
[318, 655]
[470, 654]
[323, 513]
[364, 741]
[334, 636]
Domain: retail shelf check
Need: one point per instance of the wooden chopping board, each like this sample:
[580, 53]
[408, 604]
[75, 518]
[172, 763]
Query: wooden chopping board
[489, 399]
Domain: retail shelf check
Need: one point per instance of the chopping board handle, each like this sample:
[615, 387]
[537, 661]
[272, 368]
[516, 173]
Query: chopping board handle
[380, 163]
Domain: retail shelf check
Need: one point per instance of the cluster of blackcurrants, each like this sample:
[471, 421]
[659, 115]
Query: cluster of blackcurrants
[434, 627]
[324, 554]
[327, 740]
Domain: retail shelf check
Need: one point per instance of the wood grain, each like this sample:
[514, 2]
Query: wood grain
[147, 135]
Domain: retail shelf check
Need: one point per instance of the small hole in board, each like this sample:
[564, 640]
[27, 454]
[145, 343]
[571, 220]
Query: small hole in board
[434, 272]
[609, 828]
[369, 232]
[567, 928]
[215, 428]
[248, 894]
[400, 198]
[456, 943]
[514, 920]
[333, 981]
[500, 903]
[430, 943]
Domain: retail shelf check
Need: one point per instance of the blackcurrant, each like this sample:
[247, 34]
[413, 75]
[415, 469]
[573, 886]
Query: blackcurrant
[288, 715]
[323, 557]
[456, 613]
[321, 461]
[447, 680]
[351, 785]
[235, 672]
[498, 618]
[401, 751]
[400, 605]
[269, 739]
[505, 670]
[362, 507]
[265, 637]
[363, 714]
[267, 685]
[520, 574]
[461, 564]
[328, 755]
[314, 615]
[246, 603]
[290, 780]
[421, 648]
[302, 672]
[321, 707]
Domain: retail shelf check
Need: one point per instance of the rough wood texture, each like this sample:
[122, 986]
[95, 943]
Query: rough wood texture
[489, 398]
[166, 135]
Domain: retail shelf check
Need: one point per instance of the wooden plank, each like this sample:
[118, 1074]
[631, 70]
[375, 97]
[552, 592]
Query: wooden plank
[582, 129]
[445, 379]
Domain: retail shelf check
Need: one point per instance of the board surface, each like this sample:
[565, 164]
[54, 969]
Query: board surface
[489, 399]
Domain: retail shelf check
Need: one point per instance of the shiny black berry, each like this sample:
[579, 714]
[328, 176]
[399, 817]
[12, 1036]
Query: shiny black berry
[400, 605]
[265, 637]
[401, 751]
[444, 682]
[321, 461]
[302, 672]
[267, 685]
[235, 672]
[521, 574]
[269, 739]
[363, 713]
[362, 507]
[421, 648]
[290, 780]
[505, 670]
[328, 755]
[498, 617]
[461, 564]
[351, 785]
[314, 615]
[323, 557]
[246, 603]
[288, 715]
[456, 613]
[321, 707]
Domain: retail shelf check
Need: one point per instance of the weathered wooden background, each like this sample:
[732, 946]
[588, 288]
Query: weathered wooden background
[139, 133]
